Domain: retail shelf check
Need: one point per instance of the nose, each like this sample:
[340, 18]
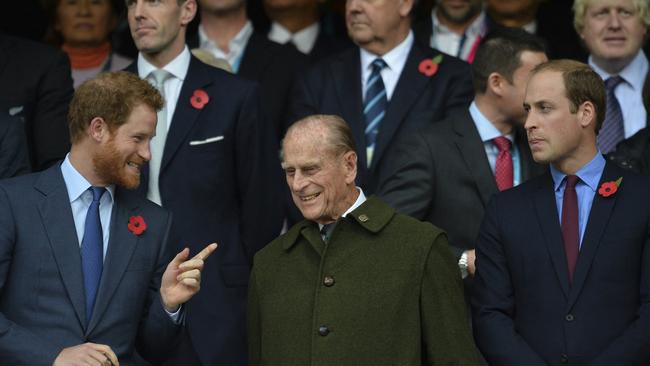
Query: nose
[614, 20]
[297, 182]
[83, 7]
[530, 123]
[352, 6]
[145, 150]
[138, 9]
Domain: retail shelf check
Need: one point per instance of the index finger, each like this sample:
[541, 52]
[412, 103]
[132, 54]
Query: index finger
[205, 253]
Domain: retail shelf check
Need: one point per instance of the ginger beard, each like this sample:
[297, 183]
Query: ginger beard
[112, 168]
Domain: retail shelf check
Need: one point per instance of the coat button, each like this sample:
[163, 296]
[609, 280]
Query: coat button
[569, 317]
[323, 330]
[328, 281]
[564, 358]
[363, 218]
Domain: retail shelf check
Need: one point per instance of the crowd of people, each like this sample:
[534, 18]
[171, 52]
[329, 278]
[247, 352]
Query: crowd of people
[300, 182]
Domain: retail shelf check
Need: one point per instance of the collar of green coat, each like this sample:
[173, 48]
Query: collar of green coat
[373, 215]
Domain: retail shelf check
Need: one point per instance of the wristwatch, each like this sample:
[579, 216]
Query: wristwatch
[462, 264]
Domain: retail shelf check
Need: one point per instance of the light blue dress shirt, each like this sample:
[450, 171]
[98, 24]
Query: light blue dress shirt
[586, 188]
[488, 132]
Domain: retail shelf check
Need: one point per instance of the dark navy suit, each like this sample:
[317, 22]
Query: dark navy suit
[220, 178]
[525, 311]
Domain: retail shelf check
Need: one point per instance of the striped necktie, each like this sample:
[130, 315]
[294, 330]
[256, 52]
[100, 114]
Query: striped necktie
[374, 106]
[613, 131]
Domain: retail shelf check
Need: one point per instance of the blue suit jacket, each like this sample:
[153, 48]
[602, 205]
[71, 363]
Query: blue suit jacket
[525, 311]
[334, 87]
[42, 306]
[226, 191]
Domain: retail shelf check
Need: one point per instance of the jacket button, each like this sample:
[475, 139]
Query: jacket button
[323, 330]
[564, 358]
[328, 281]
[569, 317]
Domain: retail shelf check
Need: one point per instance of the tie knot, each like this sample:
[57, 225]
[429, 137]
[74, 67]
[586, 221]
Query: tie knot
[612, 82]
[97, 193]
[378, 64]
[159, 77]
[326, 231]
[571, 181]
[502, 143]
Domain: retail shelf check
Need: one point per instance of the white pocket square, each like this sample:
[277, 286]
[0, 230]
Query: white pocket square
[15, 110]
[206, 141]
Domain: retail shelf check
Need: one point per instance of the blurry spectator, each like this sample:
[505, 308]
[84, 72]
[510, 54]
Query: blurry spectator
[303, 24]
[454, 27]
[387, 86]
[614, 32]
[36, 87]
[83, 28]
[227, 33]
[207, 58]
[14, 159]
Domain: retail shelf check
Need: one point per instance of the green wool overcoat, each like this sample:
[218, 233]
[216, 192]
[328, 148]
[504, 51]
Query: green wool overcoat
[385, 290]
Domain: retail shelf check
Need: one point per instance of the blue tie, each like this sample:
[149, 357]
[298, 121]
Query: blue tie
[612, 132]
[92, 251]
[374, 105]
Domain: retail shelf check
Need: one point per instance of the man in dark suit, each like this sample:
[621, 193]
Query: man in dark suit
[563, 260]
[386, 87]
[447, 172]
[226, 32]
[215, 167]
[36, 86]
[83, 260]
[14, 157]
[354, 283]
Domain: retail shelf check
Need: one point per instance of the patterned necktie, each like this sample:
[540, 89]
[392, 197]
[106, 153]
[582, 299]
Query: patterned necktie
[570, 233]
[613, 131]
[92, 251]
[326, 232]
[158, 142]
[374, 106]
[503, 167]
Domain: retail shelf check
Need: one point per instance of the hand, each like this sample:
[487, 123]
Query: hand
[182, 278]
[471, 259]
[87, 354]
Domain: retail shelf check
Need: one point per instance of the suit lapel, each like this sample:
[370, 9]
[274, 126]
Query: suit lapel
[346, 73]
[601, 210]
[548, 219]
[185, 116]
[122, 244]
[408, 90]
[471, 149]
[59, 225]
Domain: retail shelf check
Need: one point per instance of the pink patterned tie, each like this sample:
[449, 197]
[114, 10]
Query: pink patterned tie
[503, 166]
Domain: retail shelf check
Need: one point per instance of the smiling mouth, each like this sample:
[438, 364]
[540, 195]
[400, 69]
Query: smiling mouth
[309, 198]
[134, 165]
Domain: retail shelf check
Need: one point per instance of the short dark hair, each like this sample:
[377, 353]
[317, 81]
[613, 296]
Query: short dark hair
[581, 84]
[500, 51]
[111, 96]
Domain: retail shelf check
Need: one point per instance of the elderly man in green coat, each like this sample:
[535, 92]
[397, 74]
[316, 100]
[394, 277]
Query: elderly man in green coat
[355, 283]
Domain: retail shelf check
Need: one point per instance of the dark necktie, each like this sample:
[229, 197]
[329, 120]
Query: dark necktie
[570, 233]
[374, 106]
[613, 131]
[92, 251]
[326, 232]
[503, 168]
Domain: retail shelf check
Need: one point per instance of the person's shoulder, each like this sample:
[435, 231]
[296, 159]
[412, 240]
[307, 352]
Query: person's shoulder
[280, 244]
[31, 54]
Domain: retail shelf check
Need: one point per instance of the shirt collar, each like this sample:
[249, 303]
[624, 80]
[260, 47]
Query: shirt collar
[395, 58]
[474, 29]
[304, 39]
[485, 128]
[177, 67]
[360, 200]
[631, 73]
[237, 43]
[75, 183]
[589, 173]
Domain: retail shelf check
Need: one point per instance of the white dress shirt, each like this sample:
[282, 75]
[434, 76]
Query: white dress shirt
[236, 46]
[395, 59]
[630, 92]
[360, 200]
[443, 39]
[304, 39]
[178, 70]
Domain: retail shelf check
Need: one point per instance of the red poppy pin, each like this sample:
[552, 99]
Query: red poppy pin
[429, 67]
[609, 188]
[199, 99]
[137, 226]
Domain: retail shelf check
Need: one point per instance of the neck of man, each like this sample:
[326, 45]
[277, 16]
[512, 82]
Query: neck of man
[380, 47]
[582, 155]
[613, 66]
[161, 58]
[453, 25]
[514, 20]
[344, 205]
[489, 108]
[294, 19]
[222, 27]
[81, 160]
